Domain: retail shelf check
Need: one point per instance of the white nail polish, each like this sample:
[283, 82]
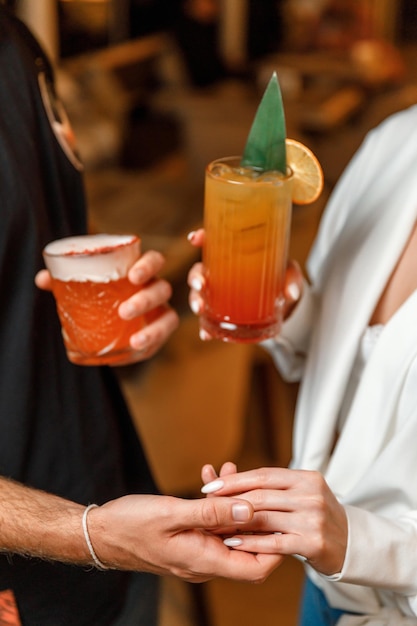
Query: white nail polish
[190, 235]
[195, 306]
[215, 485]
[196, 284]
[204, 336]
[293, 291]
[233, 542]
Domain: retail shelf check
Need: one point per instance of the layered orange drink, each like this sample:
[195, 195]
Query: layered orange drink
[247, 221]
[247, 217]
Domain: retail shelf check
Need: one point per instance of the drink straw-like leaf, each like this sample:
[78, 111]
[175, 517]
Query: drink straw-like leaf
[265, 145]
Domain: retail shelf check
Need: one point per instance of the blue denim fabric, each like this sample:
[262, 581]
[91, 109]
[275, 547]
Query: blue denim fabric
[315, 610]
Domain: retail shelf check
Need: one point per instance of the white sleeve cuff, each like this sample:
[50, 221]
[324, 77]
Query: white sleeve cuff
[288, 349]
[381, 553]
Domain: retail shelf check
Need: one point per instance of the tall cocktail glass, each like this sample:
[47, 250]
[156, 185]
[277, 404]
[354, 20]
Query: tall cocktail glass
[247, 217]
[89, 281]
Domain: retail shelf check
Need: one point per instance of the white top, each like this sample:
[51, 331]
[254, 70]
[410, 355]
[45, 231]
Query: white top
[366, 345]
[373, 467]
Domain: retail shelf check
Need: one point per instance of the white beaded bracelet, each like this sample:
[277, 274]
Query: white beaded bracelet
[94, 556]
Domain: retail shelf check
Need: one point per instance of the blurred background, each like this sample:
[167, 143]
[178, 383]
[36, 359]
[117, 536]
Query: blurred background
[155, 89]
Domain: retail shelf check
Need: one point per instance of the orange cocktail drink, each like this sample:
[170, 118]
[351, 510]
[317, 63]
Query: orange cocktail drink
[247, 217]
[89, 282]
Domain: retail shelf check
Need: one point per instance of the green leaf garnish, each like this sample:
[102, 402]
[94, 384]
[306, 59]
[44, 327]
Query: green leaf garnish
[265, 145]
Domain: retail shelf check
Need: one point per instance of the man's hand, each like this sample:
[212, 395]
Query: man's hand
[150, 300]
[167, 535]
[149, 533]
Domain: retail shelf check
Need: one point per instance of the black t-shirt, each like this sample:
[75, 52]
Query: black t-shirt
[63, 428]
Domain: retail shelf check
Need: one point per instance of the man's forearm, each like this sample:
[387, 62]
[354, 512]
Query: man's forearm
[139, 532]
[35, 523]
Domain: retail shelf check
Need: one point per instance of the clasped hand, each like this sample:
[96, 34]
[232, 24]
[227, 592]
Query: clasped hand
[295, 513]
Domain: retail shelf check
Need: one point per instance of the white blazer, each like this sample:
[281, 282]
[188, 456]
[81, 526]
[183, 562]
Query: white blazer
[373, 469]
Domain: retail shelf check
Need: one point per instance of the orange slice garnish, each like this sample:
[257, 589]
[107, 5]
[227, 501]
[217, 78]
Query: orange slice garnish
[308, 175]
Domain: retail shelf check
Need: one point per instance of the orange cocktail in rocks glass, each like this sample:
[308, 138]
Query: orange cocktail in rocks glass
[89, 282]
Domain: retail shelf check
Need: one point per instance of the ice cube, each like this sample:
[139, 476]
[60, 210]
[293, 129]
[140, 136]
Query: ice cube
[221, 170]
[272, 176]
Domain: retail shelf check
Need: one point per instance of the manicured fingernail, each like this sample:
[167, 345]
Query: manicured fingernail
[204, 336]
[241, 513]
[196, 284]
[190, 235]
[195, 306]
[293, 290]
[215, 485]
[232, 542]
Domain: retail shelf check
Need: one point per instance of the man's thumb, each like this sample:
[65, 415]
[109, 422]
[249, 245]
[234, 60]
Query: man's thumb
[217, 512]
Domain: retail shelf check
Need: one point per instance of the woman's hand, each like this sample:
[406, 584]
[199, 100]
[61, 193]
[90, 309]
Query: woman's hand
[292, 288]
[295, 513]
[208, 473]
